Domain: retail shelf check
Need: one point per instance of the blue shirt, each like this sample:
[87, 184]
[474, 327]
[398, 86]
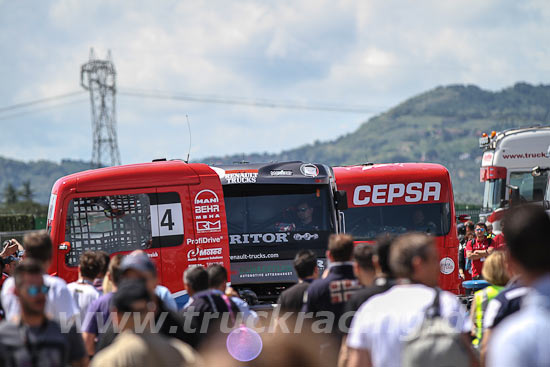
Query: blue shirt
[164, 294]
[523, 339]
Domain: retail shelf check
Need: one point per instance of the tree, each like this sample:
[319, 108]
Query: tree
[26, 192]
[10, 194]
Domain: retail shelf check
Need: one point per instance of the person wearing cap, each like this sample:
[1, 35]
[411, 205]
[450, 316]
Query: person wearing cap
[8, 264]
[31, 338]
[136, 345]
[137, 265]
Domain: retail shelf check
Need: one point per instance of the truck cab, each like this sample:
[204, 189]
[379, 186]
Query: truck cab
[403, 197]
[171, 210]
[273, 211]
[508, 159]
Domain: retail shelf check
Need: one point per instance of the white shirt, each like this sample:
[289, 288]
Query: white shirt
[83, 294]
[59, 302]
[380, 323]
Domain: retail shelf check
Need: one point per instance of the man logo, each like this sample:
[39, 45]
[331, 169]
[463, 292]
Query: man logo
[206, 197]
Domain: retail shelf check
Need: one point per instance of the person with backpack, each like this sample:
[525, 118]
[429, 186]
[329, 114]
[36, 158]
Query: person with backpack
[477, 249]
[379, 328]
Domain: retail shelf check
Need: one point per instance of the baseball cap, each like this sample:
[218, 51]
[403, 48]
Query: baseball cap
[139, 262]
[128, 293]
[8, 260]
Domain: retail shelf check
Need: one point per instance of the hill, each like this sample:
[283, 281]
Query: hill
[42, 175]
[441, 126]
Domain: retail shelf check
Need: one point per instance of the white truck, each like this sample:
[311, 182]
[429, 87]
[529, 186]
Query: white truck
[509, 161]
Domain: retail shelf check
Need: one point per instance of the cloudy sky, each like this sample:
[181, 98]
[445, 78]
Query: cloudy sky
[347, 55]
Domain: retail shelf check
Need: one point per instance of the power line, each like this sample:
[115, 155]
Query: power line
[244, 102]
[40, 109]
[40, 101]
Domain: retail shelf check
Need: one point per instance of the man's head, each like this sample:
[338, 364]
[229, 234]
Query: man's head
[305, 264]
[470, 229]
[195, 280]
[8, 264]
[217, 277]
[38, 246]
[104, 260]
[137, 265]
[414, 256]
[381, 258]
[481, 231]
[340, 247]
[134, 297]
[89, 265]
[527, 234]
[115, 273]
[489, 227]
[363, 266]
[418, 217]
[29, 287]
[305, 212]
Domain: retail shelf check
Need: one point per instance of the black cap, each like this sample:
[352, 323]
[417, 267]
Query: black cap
[129, 292]
[8, 260]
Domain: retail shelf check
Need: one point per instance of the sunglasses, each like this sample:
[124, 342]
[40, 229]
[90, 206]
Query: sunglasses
[303, 210]
[33, 290]
[480, 230]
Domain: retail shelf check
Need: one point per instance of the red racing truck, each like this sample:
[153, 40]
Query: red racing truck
[173, 211]
[403, 197]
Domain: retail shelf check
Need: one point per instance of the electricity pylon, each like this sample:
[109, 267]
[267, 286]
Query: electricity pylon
[99, 77]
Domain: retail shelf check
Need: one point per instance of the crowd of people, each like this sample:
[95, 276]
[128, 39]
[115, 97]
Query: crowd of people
[374, 305]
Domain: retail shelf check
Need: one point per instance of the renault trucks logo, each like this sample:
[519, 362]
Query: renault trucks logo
[208, 253]
[309, 170]
[241, 176]
[413, 192]
[207, 211]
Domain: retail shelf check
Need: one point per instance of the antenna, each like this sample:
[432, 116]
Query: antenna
[189, 127]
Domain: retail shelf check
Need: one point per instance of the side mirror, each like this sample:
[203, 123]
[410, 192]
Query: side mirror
[536, 171]
[64, 247]
[546, 204]
[463, 218]
[341, 199]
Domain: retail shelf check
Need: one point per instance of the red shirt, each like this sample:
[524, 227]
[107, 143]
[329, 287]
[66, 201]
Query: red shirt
[473, 245]
[499, 243]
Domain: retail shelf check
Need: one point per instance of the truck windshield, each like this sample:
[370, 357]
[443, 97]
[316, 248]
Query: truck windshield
[493, 194]
[261, 218]
[366, 223]
[530, 188]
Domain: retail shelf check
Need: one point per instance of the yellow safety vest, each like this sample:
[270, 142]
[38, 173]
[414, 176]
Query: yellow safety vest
[482, 298]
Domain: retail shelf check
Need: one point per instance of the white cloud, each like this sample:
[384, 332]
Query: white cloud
[371, 53]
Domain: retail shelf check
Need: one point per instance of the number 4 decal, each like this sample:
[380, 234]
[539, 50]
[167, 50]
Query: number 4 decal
[167, 220]
[171, 219]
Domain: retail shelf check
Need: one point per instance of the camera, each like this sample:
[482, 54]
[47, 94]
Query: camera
[6, 244]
